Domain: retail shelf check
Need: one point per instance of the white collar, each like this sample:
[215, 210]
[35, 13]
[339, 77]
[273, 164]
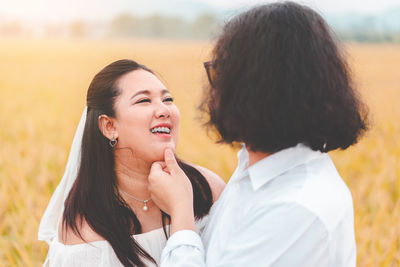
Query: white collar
[270, 167]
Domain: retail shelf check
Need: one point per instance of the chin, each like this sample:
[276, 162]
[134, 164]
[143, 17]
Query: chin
[157, 157]
[158, 154]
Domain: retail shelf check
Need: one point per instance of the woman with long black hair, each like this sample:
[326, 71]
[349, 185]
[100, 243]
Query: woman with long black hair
[101, 214]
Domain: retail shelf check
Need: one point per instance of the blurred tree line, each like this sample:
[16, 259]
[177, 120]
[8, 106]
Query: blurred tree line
[368, 36]
[381, 27]
[160, 26]
[204, 26]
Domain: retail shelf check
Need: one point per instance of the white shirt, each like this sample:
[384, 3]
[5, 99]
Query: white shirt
[289, 209]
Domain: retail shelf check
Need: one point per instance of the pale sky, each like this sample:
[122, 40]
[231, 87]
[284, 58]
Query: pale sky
[56, 10]
[329, 6]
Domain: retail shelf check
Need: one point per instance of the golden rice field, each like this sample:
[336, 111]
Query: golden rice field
[42, 95]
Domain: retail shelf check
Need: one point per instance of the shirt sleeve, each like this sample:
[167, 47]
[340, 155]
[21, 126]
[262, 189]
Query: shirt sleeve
[184, 248]
[285, 234]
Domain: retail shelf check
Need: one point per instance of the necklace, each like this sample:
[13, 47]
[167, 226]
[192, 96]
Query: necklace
[145, 207]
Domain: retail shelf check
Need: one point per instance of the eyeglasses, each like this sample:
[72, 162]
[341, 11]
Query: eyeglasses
[209, 66]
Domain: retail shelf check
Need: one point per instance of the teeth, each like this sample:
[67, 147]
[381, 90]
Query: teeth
[161, 130]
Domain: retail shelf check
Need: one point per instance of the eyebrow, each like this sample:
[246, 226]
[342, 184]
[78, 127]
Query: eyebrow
[147, 92]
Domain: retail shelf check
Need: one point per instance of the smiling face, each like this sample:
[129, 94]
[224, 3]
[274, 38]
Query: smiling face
[146, 119]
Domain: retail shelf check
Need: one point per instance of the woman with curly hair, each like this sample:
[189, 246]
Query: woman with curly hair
[280, 85]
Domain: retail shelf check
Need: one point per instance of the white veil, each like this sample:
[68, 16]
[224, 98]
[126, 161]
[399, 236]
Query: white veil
[53, 214]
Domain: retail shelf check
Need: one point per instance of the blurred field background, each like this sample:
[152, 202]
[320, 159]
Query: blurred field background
[43, 86]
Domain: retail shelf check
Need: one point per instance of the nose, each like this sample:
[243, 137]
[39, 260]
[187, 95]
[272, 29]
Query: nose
[162, 111]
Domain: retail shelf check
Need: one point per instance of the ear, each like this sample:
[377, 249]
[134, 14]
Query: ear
[107, 126]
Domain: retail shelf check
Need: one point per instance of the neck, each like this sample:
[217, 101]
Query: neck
[255, 156]
[132, 174]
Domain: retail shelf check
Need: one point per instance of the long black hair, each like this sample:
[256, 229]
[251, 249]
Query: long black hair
[94, 196]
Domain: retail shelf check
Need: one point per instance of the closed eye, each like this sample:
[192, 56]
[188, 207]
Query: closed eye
[168, 99]
[143, 101]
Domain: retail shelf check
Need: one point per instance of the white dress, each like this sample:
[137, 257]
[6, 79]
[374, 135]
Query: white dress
[100, 253]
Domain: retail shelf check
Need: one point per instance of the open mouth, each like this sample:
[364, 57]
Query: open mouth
[163, 130]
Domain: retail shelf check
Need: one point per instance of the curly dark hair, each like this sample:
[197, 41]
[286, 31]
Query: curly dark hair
[281, 80]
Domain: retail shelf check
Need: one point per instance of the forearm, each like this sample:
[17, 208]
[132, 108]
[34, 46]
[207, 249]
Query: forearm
[182, 217]
[184, 247]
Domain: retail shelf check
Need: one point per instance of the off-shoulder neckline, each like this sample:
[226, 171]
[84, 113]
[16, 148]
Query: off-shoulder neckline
[151, 232]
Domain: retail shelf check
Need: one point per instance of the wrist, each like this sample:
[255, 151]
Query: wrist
[182, 218]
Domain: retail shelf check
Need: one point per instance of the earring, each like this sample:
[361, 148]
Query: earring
[113, 141]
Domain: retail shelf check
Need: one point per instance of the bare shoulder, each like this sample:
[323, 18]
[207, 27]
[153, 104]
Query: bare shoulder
[216, 183]
[68, 237]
